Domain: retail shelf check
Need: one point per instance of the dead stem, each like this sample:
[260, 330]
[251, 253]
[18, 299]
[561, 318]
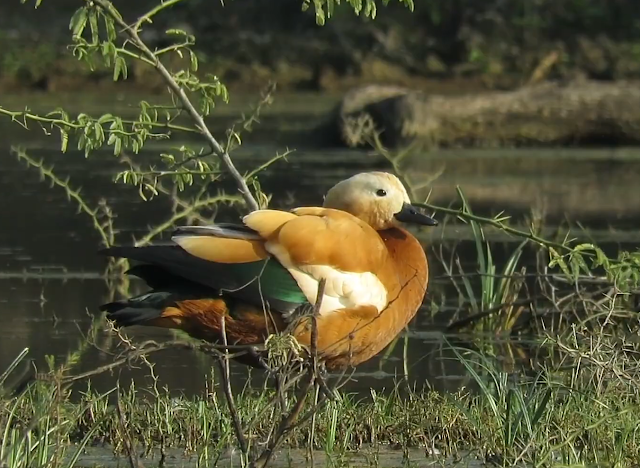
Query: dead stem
[314, 326]
[288, 422]
[223, 363]
[129, 445]
[134, 353]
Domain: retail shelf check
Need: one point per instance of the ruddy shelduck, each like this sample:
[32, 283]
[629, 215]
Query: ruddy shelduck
[262, 277]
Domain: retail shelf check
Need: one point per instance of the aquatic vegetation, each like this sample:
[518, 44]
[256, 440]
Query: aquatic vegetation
[549, 417]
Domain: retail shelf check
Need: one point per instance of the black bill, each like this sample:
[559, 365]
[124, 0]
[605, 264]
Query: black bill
[410, 214]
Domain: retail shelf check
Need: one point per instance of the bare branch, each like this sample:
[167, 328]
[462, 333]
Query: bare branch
[223, 362]
[129, 445]
[288, 423]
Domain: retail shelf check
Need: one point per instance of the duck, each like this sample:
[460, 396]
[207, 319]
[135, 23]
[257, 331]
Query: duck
[261, 277]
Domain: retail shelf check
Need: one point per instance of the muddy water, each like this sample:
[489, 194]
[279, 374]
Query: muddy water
[366, 457]
[51, 278]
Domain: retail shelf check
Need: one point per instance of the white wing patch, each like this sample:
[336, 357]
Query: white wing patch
[342, 289]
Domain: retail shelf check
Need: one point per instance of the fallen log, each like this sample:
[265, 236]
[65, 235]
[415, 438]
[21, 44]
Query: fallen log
[571, 113]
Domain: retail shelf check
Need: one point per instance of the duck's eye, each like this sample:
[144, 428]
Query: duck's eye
[381, 193]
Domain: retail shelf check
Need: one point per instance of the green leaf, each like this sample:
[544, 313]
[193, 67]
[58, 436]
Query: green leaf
[331, 8]
[78, 22]
[107, 52]
[320, 18]
[557, 259]
[120, 69]
[95, 31]
[81, 142]
[169, 159]
[370, 9]
[176, 32]
[194, 60]
[99, 133]
[110, 27]
[105, 118]
[64, 136]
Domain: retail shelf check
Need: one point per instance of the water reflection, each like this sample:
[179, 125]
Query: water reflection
[53, 317]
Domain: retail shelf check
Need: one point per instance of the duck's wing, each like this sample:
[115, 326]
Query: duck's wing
[262, 282]
[317, 243]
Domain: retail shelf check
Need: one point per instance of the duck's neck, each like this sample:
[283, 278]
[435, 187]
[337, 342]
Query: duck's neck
[410, 260]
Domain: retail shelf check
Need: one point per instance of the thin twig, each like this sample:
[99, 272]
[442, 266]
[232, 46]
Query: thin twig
[223, 362]
[148, 347]
[314, 326]
[23, 117]
[129, 447]
[319, 382]
[47, 173]
[289, 421]
[286, 424]
[462, 214]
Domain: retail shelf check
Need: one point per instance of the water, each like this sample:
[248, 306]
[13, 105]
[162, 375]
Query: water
[51, 278]
[103, 456]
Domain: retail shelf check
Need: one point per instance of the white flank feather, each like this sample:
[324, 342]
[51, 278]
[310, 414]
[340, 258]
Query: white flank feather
[342, 288]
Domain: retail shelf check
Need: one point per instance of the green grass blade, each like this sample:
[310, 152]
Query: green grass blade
[481, 383]
[508, 272]
[488, 282]
[541, 407]
[84, 442]
[471, 296]
[524, 411]
[13, 365]
[508, 419]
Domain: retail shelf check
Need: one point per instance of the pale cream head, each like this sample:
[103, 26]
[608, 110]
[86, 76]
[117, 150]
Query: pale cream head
[374, 197]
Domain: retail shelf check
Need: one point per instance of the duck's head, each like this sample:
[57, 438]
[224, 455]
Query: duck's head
[377, 198]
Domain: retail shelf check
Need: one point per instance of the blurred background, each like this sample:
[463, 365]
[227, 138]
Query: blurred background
[457, 45]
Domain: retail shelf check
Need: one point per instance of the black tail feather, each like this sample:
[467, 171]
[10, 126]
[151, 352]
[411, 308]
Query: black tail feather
[160, 278]
[125, 316]
[139, 309]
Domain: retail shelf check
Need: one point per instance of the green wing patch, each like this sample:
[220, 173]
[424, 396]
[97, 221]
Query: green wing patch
[267, 280]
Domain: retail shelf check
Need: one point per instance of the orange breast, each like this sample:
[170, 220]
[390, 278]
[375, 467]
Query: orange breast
[351, 336]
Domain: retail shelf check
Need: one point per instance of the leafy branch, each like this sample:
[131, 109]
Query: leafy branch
[93, 132]
[325, 8]
[498, 222]
[132, 32]
[100, 32]
[571, 258]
